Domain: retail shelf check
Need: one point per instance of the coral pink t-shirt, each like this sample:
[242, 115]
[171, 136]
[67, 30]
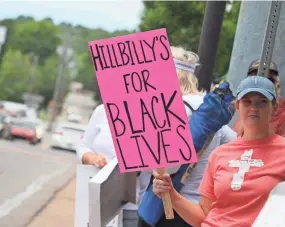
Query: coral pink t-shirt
[239, 177]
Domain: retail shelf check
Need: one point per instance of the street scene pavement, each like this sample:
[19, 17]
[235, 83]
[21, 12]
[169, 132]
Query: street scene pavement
[32, 176]
[56, 60]
[64, 202]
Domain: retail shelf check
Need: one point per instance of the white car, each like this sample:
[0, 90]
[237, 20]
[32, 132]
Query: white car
[67, 135]
[74, 117]
[71, 109]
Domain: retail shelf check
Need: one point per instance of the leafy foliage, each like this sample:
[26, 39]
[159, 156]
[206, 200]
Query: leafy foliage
[28, 39]
[183, 21]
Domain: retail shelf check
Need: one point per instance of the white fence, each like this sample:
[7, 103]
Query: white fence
[273, 213]
[100, 195]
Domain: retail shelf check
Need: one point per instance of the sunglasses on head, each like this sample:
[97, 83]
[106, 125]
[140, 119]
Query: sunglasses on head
[272, 80]
[254, 73]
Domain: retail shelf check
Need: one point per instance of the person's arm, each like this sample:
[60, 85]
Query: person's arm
[84, 149]
[194, 214]
[228, 134]
[92, 158]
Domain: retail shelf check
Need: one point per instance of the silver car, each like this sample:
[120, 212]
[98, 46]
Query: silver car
[67, 135]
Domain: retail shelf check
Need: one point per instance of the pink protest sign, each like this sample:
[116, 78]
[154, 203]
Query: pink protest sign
[140, 91]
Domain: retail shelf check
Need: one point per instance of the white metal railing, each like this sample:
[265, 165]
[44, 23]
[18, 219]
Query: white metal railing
[101, 194]
[273, 213]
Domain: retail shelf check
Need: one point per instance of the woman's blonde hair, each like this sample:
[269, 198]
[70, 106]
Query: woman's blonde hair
[188, 80]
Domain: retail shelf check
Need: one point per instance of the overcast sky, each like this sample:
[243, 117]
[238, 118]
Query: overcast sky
[106, 14]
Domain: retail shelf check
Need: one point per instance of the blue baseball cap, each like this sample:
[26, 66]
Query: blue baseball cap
[257, 84]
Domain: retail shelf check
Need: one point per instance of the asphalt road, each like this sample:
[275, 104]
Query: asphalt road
[29, 177]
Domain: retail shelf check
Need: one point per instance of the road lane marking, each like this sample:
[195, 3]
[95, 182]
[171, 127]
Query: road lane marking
[14, 202]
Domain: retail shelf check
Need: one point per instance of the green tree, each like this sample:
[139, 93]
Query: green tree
[9, 24]
[46, 78]
[227, 40]
[15, 75]
[183, 21]
[80, 36]
[37, 37]
[28, 40]
[86, 73]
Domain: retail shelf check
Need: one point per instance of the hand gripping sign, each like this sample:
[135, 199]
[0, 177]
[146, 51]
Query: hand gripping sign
[140, 91]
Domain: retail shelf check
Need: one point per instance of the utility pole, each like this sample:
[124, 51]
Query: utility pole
[65, 55]
[209, 41]
[269, 38]
[35, 60]
[250, 41]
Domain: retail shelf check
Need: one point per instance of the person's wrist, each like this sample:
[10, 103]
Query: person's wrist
[172, 193]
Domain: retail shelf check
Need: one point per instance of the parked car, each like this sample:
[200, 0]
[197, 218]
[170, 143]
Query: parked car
[24, 129]
[67, 135]
[4, 126]
[74, 117]
[72, 109]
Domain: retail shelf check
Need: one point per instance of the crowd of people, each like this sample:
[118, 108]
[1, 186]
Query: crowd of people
[226, 187]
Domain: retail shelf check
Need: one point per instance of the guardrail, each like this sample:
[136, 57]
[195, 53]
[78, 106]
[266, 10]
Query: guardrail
[101, 194]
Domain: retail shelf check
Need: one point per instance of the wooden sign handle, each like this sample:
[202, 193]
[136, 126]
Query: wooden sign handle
[167, 204]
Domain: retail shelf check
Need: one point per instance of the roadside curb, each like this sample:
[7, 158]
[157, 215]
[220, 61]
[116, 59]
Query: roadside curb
[65, 185]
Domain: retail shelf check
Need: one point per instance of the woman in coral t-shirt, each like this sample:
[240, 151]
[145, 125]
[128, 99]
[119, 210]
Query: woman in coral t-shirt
[241, 174]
